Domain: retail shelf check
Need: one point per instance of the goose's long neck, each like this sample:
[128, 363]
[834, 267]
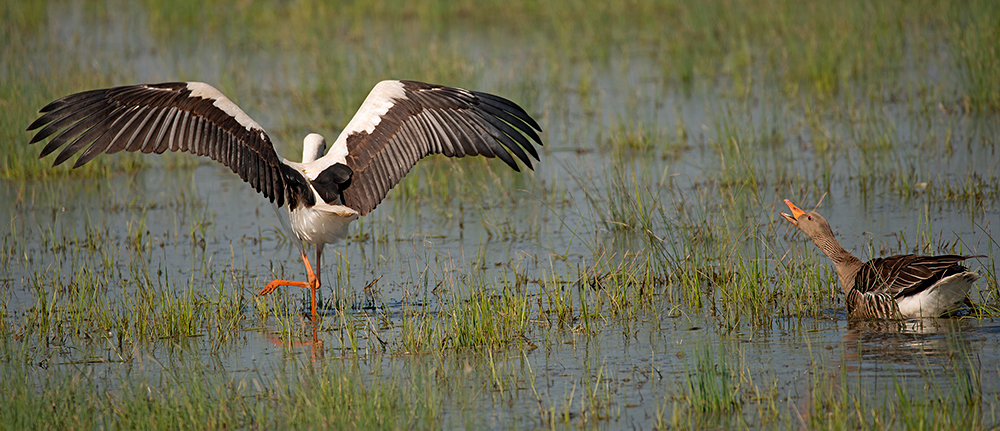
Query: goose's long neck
[845, 262]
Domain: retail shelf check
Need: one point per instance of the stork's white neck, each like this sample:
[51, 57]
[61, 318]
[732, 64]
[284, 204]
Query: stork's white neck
[313, 147]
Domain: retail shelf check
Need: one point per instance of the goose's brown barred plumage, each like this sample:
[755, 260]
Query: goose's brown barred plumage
[399, 123]
[892, 287]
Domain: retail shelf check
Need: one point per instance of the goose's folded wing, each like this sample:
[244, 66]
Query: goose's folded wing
[906, 275]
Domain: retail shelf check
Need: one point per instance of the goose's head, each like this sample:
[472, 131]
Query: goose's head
[809, 222]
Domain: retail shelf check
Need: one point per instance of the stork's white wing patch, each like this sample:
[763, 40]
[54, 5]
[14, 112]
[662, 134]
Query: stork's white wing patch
[382, 98]
[205, 91]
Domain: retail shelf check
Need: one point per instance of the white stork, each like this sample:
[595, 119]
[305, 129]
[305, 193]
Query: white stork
[399, 123]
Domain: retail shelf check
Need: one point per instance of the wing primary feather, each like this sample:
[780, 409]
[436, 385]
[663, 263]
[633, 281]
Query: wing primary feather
[427, 132]
[508, 106]
[510, 139]
[516, 123]
[74, 99]
[68, 120]
[102, 144]
[176, 124]
[450, 140]
[458, 128]
[249, 169]
[149, 130]
[475, 134]
[131, 130]
[487, 139]
[71, 132]
[92, 137]
[160, 144]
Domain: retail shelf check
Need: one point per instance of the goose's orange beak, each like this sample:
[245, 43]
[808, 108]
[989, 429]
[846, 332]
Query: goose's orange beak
[792, 218]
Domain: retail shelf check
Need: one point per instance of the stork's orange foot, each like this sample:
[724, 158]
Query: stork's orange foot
[312, 285]
[275, 284]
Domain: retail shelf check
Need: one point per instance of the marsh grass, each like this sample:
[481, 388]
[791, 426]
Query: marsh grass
[192, 395]
[486, 317]
[711, 387]
[559, 306]
[977, 57]
[663, 211]
[990, 295]
[99, 286]
[749, 142]
[936, 398]
[708, 394]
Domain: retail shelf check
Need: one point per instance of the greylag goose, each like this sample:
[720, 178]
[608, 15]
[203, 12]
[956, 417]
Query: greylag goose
[399, 123]
[894, 287]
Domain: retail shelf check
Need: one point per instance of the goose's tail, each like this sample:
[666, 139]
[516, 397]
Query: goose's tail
[946, 296]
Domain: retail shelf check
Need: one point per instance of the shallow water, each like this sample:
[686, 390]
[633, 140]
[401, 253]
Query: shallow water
[197, 230]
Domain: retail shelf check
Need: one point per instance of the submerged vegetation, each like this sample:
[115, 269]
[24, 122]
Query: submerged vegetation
[638, 277]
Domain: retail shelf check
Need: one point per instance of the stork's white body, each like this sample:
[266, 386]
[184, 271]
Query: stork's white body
[321, 223]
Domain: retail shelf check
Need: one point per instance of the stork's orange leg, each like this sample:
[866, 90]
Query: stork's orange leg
[312, 284]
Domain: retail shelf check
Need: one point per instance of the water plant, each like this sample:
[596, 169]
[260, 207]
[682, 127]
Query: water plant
[640, 277]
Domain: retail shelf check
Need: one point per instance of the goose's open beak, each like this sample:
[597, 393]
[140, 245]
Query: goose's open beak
[792, 218]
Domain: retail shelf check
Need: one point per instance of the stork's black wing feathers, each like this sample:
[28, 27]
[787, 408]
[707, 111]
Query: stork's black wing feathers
[424, 119]
[177, 116]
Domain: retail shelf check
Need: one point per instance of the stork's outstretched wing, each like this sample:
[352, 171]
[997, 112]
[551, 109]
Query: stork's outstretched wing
[192, 117]
[403, 121]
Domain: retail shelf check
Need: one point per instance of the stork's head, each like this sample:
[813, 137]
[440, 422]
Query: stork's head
[313, 147]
